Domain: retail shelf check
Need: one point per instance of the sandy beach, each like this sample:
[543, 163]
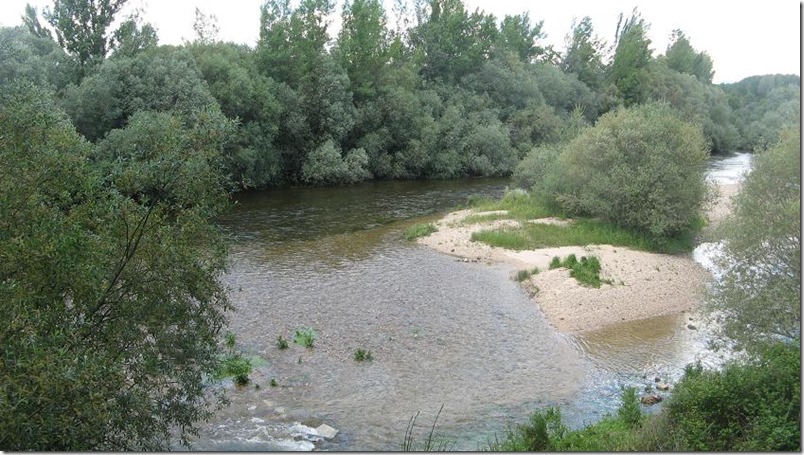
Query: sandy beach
[644, 285]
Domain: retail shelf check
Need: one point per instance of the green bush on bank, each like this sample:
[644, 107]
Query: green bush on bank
[641, 168]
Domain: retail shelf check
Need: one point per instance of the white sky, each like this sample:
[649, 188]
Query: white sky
[743, 38]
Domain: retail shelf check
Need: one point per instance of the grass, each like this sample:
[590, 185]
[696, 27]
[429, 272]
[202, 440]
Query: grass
[582, 232]
[235, 366]
[363, 355]
[430, 443]
[544, 431]
[519, 204]
[523, 275]
[305, 336]
[419, 230]
[281, 342]
[586, 271]
[523, 206]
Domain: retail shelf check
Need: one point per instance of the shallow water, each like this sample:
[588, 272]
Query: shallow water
[440, 331]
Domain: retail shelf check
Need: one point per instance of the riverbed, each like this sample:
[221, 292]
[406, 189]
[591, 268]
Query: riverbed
[440, 331]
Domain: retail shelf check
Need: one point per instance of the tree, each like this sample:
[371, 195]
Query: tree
[628, 68]
[759, 293]
[205, 27]
[681, 57]
[162, 80]
[81, 26]
[363, 45]
[583, 55]
[518, 36]
[641, 168]
[109, 279]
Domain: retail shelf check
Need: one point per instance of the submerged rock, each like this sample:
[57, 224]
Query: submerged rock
[650, 400]
[326, 431]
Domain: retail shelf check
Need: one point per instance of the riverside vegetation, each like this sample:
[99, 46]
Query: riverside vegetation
[117, 154]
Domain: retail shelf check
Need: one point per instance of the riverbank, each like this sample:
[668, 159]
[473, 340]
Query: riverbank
[644, 285]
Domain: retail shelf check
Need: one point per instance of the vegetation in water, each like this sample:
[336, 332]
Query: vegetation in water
[304, 336]
[432, 442]
[281, 342]
[419, 230]
[363, 355]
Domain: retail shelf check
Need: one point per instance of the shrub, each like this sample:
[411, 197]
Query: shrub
[642, 168]
[749, 406]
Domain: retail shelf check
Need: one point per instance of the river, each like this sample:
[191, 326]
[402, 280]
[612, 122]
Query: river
[441, 332]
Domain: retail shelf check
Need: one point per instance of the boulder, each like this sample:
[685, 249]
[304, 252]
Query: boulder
[650, 400]
[663, 386]
[692, 327]
[326, 431]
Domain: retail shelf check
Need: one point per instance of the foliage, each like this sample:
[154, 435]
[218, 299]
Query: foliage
[759, 294]
[632, 56]
[681, 57]
[162, 80]
[419, 230]
[641, 168]
[584, 54]
[544, 431]
[112, 305]
[281, 342]
[25, 56]
[304, 336]
[748, 406]
[236, 366]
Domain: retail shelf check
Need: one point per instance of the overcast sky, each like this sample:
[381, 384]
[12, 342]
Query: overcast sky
[743, 38]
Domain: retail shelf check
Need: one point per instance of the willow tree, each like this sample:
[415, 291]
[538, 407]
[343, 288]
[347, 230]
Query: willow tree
[112, 306]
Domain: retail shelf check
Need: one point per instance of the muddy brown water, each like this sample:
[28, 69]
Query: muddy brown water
[441, 332]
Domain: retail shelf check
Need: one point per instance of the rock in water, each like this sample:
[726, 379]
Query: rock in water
[326, 431]
[663, 386]
[650, 400]
[692, 327]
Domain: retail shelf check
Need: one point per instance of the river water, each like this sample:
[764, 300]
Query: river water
[441, 332]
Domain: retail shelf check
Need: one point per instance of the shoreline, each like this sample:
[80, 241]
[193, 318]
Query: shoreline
[645, 285]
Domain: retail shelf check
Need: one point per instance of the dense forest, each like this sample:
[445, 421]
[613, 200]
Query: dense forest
[117, 155]
[442, 93]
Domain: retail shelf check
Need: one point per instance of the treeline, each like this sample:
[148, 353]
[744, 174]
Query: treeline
[442, 93]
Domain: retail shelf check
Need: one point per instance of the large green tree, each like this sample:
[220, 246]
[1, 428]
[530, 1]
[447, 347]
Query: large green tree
[681, 57]
[112, 306]
[83, 29]
[759, 293]
[583, 55]
[632, 55]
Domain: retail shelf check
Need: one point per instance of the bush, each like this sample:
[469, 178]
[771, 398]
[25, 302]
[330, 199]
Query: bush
[641, 168]
[750, 406]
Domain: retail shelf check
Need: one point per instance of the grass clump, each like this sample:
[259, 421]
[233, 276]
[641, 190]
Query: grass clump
[281, 342]
[233, 364]
[586, 270]
[545, 431]
[305, 336]
[523, 275]
[363, 355]
[419, 230]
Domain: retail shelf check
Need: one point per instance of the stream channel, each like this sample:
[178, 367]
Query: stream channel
[441, 331]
